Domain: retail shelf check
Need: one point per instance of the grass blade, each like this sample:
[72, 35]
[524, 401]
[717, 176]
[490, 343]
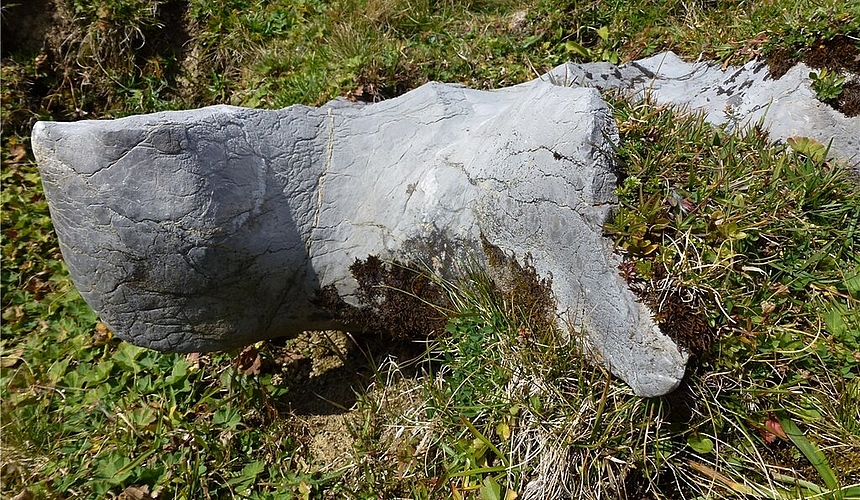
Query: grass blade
[478, 434]
[811, 452]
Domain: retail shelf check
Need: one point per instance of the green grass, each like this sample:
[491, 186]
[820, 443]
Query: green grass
[760, 238]
[749, 247]
[761, 241]
[101, 418]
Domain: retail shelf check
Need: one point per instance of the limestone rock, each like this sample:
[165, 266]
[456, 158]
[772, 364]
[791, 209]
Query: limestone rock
[213, 228]
[735, 96]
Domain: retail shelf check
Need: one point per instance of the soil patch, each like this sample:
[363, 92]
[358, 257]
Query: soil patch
[849, 100]
[324, 373]
[331, 442]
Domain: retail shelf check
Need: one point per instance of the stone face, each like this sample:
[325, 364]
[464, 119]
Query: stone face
[214, 228]
[218, 227]
[736, 97]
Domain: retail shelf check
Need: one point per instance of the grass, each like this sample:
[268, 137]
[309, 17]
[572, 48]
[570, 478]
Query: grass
[760, 241]
[747, 251]
[771, 408]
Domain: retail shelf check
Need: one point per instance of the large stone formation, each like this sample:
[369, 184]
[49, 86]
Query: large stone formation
[214, 228]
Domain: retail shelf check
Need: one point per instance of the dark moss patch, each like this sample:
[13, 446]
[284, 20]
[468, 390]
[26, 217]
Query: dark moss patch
[840, 53]
[849, 100]
[402, 298]
[683, 324]
[677, 316]
[527, 293]
[779, 61]
[394, 298]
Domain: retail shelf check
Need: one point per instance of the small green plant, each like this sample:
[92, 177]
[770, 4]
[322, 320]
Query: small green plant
[603, 52]
[827, 84]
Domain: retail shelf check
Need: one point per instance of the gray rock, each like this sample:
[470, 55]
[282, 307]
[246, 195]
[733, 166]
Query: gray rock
[736, 97]
[217, 227]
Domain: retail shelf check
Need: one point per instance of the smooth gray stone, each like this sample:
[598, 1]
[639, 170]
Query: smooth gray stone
[736, 96]
[217, 227]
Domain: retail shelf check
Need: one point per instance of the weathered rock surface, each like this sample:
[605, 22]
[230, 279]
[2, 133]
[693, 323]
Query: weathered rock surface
[217, 227]
[736, 97]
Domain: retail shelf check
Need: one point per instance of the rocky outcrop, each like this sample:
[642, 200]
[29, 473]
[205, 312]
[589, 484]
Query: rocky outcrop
[734, 97]
[217, 227]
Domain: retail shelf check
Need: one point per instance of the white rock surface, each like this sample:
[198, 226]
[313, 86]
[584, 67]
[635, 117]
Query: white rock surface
[736, 97]
[213, 228]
